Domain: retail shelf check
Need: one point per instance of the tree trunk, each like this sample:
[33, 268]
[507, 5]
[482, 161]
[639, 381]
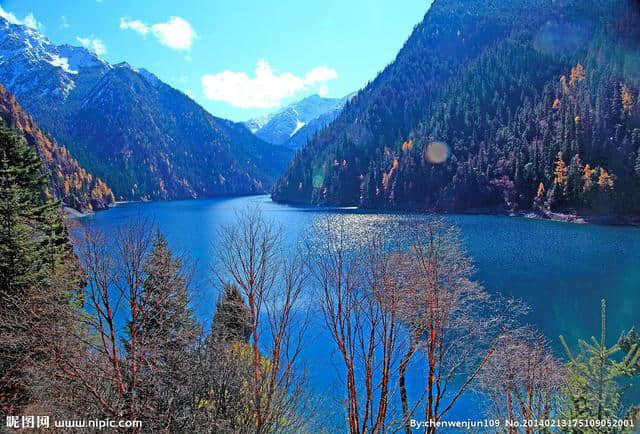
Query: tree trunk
[403, 388]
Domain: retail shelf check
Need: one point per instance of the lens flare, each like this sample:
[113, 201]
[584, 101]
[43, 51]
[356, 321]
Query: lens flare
[437, 152]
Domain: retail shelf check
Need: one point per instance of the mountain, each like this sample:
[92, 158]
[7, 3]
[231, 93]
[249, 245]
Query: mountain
[491, 105]
[145, 139]
[69, 182]
[295, 124]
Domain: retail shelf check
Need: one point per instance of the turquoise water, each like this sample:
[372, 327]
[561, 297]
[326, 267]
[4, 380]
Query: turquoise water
[561, 270]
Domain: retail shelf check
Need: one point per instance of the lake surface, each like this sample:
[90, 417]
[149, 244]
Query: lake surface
[561, 270]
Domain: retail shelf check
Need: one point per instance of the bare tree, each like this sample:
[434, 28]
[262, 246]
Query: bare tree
[450, 319]
[115, 276]
[135, 339]
[522, 379]
[358, 292]
[251, 255]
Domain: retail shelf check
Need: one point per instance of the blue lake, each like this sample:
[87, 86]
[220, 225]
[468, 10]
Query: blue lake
[560, 270]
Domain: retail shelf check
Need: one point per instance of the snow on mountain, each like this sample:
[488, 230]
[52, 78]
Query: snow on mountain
[61, 62]
[299, 125]
[30, 63]
[80, 57]
[257, 124]
[307, 115]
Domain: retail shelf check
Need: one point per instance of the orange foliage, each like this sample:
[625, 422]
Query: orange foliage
[408, 145]
[577, 74]
[560, 173]
[69, 181]
[605, 181]
[587, 177]
[627, 100]
[386, 177]
[563, 82]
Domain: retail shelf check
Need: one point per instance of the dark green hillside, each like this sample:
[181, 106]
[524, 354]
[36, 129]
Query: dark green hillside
[151, 141]
[485, 80]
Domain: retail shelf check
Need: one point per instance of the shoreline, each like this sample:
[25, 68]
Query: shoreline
[606, 220]
[562, 217]
[73, 213]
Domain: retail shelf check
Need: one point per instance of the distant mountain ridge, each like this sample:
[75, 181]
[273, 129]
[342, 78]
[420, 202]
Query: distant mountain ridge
[145, 139]
[69, 182]
[293, 125]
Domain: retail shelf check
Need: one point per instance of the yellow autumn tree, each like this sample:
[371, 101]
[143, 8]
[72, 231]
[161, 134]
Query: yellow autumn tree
[577, 74]
[540, 191]
[627, 100]
[587, 178]
[556, 104]
[408, 145]
[560, 174]
[563, 82]
[605, 181]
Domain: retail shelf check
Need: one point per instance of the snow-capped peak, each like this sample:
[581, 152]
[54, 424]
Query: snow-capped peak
[31, 63]
[299, 124]
[312, 112]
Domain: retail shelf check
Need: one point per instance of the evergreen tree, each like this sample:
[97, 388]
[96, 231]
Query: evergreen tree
[629, 343]
[169, 322]
[231, 321]
[573, 186]
[593, 390]
[169, 333]
[39, 275]
[22, 207]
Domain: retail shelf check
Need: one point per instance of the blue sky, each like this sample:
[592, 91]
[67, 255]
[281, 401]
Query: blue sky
[238, 58]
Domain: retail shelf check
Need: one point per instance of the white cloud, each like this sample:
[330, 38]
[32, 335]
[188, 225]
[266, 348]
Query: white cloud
[267, 89]
[64, 23]
[176, 33]
[135, 25]
[93, 44]
[323, 90]
[29, 20]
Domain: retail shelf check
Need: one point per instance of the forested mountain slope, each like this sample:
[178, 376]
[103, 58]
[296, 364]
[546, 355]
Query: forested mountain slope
[145, 139]
[502, 105]
[68, 181]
